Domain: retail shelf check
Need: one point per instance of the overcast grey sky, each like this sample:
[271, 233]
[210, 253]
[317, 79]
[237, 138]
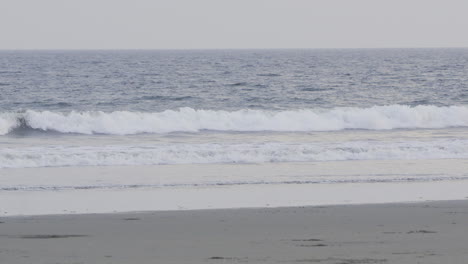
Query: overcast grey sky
[204, 24]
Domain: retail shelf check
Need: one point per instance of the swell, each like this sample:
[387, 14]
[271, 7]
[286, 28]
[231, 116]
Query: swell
[193, 120]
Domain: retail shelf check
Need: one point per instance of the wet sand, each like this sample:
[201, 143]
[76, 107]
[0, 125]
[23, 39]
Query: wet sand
[113, 189]
[427, 232]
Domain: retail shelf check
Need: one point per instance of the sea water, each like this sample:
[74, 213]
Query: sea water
[210, 114]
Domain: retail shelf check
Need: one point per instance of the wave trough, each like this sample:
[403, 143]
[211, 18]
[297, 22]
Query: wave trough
[193, 120]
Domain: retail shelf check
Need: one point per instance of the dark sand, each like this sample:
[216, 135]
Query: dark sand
[431, 232]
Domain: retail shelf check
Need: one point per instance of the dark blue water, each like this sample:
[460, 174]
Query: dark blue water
[154, 81]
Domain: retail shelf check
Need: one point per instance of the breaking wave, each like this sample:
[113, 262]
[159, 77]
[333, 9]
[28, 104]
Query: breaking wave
[193, 120]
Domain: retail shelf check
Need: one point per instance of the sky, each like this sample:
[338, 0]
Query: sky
[233, 24]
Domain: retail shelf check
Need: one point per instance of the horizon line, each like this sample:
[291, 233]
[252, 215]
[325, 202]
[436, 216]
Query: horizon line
[219, 49]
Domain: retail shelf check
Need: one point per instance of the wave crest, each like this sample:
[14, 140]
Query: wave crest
[192, 120]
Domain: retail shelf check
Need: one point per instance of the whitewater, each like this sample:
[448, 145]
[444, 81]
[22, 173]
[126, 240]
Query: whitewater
[104, 131]
[193, 120]
[150, 153]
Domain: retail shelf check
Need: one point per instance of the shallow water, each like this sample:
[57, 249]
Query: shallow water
[88, 109]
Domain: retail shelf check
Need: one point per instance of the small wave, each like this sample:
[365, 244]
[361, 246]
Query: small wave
[59, 104]
[191, 120]
[419, 102]
[269, 74]
[237, 84]
[162, 97]
[10, 72]
[150, 74]
[310, 89]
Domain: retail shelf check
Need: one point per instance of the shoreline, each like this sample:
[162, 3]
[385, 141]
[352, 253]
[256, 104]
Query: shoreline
[425, 232]
[207, 210]
[75, 190]
[224, 198]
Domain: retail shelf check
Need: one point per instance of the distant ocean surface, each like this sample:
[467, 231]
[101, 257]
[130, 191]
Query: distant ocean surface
[113, 108]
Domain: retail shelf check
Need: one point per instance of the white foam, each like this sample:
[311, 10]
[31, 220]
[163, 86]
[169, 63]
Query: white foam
[192, 120]
[212, 153]
[8, 121]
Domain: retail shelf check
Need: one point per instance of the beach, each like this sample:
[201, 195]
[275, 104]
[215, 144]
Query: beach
[234, 156]
[116, 189]
[424, 232]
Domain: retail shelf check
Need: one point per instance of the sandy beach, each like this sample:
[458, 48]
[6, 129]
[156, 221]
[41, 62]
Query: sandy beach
[114, 189]
[216, 132]
[426, 232]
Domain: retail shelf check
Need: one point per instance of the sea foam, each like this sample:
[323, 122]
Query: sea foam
[193, 120]
[216, 153]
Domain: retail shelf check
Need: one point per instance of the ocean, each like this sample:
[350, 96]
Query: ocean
[80, 122]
